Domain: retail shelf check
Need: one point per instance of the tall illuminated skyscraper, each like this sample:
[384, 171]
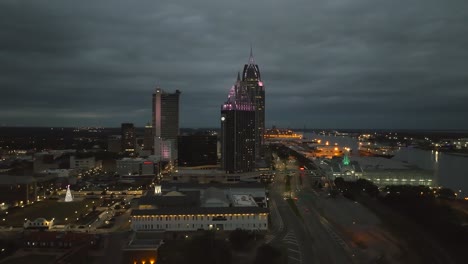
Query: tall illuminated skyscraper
[238, 131]
[251, 79]
[165, 124]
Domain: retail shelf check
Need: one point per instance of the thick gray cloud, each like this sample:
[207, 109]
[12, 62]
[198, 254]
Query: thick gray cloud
[325, 63]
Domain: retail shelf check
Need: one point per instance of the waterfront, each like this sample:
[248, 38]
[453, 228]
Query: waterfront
[448, 170]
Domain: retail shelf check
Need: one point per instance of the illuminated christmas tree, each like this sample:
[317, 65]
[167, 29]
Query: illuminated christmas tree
[68, 195]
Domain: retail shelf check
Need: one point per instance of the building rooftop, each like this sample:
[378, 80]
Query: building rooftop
[145, 240]
[53, 236]
[132, 159]
[243, 200]
[380, 163]
[180, 186]
[189, 171]
[214, 195]
[191, 198]
[9, 179]
[200, 210]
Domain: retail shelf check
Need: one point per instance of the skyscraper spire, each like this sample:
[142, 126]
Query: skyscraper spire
[238, 76]
[251, 58]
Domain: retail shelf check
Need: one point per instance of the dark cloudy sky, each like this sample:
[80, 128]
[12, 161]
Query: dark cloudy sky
[325, 63]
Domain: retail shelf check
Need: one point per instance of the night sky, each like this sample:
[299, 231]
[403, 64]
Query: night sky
[325, 63]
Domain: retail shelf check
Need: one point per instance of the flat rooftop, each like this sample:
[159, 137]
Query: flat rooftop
[380, 163]
[10, 179]
[182, 171]
[200, 210]
[243, 200]
[188, 185]
[145, 240]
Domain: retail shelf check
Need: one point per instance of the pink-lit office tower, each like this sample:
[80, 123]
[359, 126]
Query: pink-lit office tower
[238, 131]
[165, 124]
[251, 79]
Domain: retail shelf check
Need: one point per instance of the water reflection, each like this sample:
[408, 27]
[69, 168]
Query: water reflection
[436, 155]
[448, 170]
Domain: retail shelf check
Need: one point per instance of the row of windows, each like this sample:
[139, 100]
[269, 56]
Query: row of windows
[167, 218]
[193, 226]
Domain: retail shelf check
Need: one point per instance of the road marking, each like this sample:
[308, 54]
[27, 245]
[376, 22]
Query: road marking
[332, 233]
[296, 259]
[269, 238]
[297, 251]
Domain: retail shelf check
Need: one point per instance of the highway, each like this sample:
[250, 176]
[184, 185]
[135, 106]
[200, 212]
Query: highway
[332, 246]
[310, 239]
[328, 230]
[293, 235]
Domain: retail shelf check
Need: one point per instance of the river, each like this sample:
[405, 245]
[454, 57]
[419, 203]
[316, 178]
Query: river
[448, 170]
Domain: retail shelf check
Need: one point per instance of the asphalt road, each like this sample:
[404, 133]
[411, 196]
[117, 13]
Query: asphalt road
[332, 247]
[310, 239]
[341, 230]
[294, 234]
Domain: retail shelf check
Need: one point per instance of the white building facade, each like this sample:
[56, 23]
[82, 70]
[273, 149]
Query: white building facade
[207, 218]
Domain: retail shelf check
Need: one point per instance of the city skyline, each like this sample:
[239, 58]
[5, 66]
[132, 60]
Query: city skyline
[337, 64]
[268, 131]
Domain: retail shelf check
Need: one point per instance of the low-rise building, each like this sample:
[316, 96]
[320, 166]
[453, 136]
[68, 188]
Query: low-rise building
[39, 223]
[383, 172]
[135, 167]
[21, 190]
[202, 207]
[82, 163]
[344, 168]
[379, 170]
[44, 161]
[58, 239]
[143, 247]
[201, 218]
[211, 174]
[254, 189]
[59, 173]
